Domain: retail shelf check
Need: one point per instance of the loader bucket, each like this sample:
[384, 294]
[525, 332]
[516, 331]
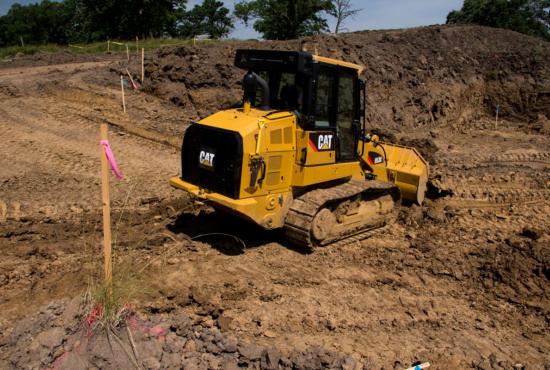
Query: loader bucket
[408, 170]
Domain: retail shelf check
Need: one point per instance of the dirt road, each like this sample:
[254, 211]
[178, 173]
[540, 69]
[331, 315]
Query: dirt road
[462, 282]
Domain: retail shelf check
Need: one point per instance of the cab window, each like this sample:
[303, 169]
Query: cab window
[285, 90]
[345, 115]
[324, 102]
[336, 107]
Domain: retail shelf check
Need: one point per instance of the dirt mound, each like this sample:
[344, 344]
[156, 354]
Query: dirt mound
[420, 77]
[59, 337]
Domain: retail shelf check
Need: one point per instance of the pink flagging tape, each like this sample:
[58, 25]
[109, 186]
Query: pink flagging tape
[111, 158]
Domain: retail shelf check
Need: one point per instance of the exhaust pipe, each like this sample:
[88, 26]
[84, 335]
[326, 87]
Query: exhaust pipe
[250, 83]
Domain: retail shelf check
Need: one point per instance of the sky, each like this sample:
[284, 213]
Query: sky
[375, 14]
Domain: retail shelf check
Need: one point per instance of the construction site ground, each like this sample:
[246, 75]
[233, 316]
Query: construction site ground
[461, 282]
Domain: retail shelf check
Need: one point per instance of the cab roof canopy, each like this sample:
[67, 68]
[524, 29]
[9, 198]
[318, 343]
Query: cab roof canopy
[285, 61]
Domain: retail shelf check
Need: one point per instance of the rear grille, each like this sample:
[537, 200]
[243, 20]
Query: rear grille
[212, 159]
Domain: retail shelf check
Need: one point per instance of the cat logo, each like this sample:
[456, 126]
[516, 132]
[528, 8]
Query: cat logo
[321, 141]
[324, 142]
[206, 159]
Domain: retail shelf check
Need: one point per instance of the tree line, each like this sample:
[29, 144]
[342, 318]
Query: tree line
[531, 17]
[68, 21]
[72, 21]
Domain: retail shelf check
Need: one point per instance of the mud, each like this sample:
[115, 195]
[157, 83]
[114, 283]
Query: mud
[461, 282]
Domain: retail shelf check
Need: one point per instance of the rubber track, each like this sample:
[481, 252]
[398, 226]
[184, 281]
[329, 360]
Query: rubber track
[304, 208]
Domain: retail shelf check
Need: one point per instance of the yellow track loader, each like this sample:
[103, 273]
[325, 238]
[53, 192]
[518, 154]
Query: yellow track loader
[296, 155]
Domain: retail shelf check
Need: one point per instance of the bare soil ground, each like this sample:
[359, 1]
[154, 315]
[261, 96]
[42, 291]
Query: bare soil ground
[462, 282]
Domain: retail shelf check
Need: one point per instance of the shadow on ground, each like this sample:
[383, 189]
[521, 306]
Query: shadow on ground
[226, 233]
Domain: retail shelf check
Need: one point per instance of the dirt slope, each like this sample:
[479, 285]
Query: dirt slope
[462, 282]
[417, 78]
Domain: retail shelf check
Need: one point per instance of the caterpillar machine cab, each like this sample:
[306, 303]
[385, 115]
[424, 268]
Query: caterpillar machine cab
[296, 155]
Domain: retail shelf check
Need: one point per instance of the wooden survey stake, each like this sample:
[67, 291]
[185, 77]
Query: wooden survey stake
[142, 65]
[496, 118]
[122, 88]
[131, 79]
[106, 207]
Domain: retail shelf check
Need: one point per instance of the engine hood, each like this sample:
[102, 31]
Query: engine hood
[243, 123]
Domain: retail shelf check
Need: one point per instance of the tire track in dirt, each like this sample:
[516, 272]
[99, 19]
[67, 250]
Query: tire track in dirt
[60, 142]
[502, 189]
[143, 116]
[15, 74]
[55, 147]
[537, 157]
[151, 164]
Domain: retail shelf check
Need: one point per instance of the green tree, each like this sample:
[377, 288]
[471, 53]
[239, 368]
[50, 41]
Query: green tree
[284, 19]
[90, 20]
[40, 23]
[2, 31]
[210, 18]
[125, 19]
[531, 17]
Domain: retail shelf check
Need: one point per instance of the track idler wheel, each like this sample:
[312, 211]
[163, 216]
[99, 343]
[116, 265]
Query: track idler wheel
[323, 223]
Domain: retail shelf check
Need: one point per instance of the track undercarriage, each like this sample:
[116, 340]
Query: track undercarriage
[347, 212]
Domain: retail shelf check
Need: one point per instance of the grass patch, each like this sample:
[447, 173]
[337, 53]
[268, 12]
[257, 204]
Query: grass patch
[97, 47]
[110, 309]
[29, 50]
